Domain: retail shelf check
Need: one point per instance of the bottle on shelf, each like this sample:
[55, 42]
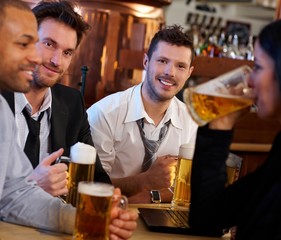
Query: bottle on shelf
[249, 49]
[233, 48]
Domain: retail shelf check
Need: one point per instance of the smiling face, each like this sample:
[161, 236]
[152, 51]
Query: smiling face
[57, 43]
[18, 36]
[264, 82]
[166, 71]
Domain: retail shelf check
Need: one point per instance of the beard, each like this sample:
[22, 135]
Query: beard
[150, 84]
[41, 81]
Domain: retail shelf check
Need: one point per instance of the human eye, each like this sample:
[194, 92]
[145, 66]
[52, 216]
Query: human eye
[256, 67]
[182, 66]
[161, 60]
[48, 44]
[23, 44]
[68, 53]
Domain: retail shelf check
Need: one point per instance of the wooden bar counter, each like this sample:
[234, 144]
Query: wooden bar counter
[15, 232]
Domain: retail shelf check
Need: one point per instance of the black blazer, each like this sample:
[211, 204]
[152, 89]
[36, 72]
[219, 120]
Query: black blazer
[69, 123]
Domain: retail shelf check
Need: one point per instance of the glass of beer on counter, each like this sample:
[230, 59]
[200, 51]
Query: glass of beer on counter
[93, 210]
[181, 197]
[81, 168]
[220, 96]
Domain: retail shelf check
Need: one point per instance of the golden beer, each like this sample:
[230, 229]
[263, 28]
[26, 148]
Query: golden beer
[181, 197]
[93, 211]
[232, 174]
[233, 166]
[205, 108]
[220, 96]
[78, 172]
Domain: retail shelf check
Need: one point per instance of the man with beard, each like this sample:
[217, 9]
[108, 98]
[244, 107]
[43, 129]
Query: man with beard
[123, 122]
[63, 116]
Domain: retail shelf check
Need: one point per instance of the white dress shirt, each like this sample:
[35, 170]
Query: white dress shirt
[117, 138]
[20, 103]
[21, 201]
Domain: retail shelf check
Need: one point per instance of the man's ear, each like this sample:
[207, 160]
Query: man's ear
[145, 61]
[190, 71]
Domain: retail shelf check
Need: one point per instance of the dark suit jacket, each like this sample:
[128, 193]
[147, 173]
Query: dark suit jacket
[69, 123]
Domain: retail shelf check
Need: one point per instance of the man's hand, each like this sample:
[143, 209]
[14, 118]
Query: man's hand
[52, 178]
[123, 221]
[161, 174]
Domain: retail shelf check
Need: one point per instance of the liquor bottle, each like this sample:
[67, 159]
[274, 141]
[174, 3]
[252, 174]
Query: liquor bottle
[249, 50]
[222, 44]
[212, 48]
[233, 48]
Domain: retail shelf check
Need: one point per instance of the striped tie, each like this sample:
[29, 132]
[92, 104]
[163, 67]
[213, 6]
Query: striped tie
[151, 146]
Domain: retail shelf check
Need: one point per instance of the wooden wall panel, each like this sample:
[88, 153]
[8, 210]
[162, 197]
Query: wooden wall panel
[278, 10]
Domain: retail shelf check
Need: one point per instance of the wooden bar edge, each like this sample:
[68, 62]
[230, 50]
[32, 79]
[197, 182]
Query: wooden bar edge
[250, 147]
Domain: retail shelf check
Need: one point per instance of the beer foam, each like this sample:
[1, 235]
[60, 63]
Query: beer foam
[233, 161]
[83, 153]
[95, 189]
[186, 151]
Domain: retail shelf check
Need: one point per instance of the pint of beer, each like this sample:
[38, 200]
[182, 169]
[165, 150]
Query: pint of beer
[93, 211]
[181, 197]
[233, 166]
[81, 168]
[220, 96]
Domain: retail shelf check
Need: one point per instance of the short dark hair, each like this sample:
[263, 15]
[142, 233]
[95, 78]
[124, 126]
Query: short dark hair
[270, 41]
[173, 35]
[11, 3]
[62, 11]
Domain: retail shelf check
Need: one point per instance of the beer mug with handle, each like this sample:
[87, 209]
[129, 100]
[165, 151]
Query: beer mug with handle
[220, 96]
[93, 210]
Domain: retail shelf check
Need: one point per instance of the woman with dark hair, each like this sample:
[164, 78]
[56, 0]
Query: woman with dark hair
[253, 202]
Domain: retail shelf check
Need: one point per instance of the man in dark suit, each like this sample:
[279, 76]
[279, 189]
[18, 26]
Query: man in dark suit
[64, 119]
[69, 123]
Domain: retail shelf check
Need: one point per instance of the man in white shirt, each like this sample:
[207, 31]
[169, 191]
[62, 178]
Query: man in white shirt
[118, 120]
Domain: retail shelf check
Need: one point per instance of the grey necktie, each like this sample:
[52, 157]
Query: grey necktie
[151, 146]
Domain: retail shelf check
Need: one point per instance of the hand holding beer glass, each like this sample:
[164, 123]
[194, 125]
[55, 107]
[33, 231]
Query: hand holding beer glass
[181, 197]
[220, 96]
[93, 210]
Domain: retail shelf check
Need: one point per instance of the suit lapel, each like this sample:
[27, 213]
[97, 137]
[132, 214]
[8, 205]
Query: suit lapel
[58, 123]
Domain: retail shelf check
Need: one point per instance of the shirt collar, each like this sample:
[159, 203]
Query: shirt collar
[136, 109]
[173, 113]
[22, 102]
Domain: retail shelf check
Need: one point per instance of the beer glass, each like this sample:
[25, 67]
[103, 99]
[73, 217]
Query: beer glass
[233, 166]
[93, 210]
[181, 197]
[81, 168]
[220, 96]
